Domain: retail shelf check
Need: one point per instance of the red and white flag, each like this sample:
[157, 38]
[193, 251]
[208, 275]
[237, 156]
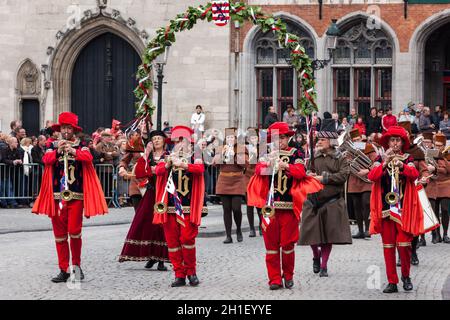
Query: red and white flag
[221, 12]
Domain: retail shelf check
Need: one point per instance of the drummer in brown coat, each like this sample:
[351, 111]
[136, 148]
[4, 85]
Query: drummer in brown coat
[359, 188]
[231, 183]
[324, 220]
[438, 189]
[252, 148]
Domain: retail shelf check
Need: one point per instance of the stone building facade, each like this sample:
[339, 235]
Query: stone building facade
[390, 52]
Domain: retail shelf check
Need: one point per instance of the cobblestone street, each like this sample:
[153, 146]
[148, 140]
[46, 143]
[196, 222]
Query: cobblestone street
[235, 271]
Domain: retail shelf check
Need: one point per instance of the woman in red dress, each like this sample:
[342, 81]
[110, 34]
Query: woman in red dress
[145, 241]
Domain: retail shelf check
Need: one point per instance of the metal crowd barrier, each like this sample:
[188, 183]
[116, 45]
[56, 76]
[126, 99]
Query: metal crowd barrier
[18, 184]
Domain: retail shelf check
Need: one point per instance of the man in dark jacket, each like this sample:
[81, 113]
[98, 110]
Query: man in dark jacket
[38, 150]
[271, 117]
[373, 122]
[12, 157]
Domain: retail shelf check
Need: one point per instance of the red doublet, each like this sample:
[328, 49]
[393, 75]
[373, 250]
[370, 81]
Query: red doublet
[180, 235]
[67, 221]
[396, 233]
[282, 233]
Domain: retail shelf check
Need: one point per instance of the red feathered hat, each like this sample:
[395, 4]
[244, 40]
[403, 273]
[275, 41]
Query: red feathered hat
[279, 128]
[182, 132]
[67, 118]
[395, 131]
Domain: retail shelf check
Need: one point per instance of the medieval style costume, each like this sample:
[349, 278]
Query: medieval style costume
[438, 190]
[180, 191]
[145, 241]
[324, 218]
[252, 151]
[231, 183]
[395, 209]
[359, 188]
[280, 183]
[69, 187]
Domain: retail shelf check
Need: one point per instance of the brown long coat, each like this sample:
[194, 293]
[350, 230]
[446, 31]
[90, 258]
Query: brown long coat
[329, 222]
[440, 187]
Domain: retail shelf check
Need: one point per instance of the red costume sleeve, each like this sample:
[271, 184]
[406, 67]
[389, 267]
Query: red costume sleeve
[49, 158]
[410, 172]
[140, 170]
[160, 169]
[84, 155]
[297, 171]
[196, 168]
[260, 167]
[376, 173]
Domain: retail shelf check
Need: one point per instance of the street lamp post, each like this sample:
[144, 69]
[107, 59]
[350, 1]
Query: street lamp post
[160, 62]
[333, 33]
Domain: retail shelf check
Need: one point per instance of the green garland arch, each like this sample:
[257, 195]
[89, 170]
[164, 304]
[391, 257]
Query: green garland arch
[241, 12]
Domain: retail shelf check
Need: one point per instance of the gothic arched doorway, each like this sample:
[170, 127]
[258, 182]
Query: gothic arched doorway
[103, 81]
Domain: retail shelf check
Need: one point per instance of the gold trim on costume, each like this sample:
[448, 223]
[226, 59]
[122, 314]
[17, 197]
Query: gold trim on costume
[388, 246]
[59, 240]
[272, 252]
[76, 196]
[188, 247]
[75, 236]
[288, 252]
[139, 259]
[145, 243]
[403, 244]
[232, 174]
[283, 205]
[186, 210]
[174, 250]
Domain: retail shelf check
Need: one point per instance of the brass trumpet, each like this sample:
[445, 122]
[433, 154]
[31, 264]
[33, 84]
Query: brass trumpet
[392, 198]
[268, 211]
[66, 194]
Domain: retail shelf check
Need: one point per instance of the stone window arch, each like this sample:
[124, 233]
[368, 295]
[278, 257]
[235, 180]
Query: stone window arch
[276, 79]
[362, 69]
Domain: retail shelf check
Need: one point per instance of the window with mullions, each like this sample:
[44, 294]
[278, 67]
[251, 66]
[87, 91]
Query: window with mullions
[277, 82]
[362, 70]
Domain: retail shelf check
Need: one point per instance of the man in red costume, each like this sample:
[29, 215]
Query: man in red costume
[69, 169]
[182, 173]
[398, 221]
[291, 185]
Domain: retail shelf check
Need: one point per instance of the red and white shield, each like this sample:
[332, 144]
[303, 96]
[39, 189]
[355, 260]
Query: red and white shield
[221, 12]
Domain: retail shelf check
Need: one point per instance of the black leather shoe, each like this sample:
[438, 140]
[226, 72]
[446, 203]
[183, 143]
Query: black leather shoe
[179, 282]
[193, 280]
[323, 273]
[407, 284]
[161, 266]
[316, 265]
[252, 233]
[359, 235]
[239, 237]
[150, 264]
[414, 259]
[422, 242]
[390, 288]
[288, 284]
[61, 277]
[275, 286]
[399, 262]
[438, 236]
[446, 239]
[367, 234]
[228, 240]
[434, 239]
